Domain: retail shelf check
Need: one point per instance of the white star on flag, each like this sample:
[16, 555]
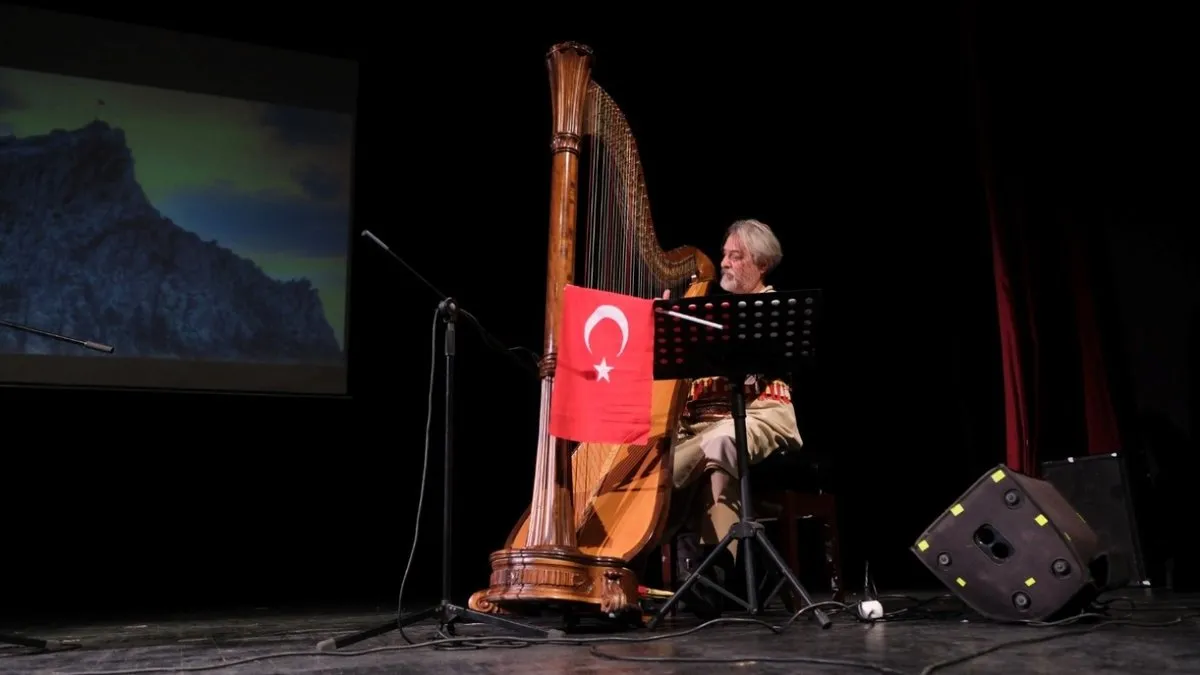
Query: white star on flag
[602, 370]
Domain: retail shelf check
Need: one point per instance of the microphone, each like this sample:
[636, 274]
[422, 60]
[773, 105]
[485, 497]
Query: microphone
[98, 347]
[87, 344]
[450, 309]
[377, 240]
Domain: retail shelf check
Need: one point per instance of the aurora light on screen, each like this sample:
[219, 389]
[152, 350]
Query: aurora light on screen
[174, 226]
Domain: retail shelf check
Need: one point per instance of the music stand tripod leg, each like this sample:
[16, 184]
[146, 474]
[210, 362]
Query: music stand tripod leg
[745, 530]
[697, 576]
[446, 612]
[757, 533]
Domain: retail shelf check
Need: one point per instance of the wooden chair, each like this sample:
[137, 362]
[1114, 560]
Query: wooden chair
[819, 507]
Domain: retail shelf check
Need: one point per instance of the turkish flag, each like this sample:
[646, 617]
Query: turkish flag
[604, 378]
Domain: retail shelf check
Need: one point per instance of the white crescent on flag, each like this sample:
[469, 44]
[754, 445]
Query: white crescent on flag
[602, 313]
[612, 313]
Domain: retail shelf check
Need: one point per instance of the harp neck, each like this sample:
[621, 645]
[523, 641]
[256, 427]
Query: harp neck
[570, 66]
[594, 151]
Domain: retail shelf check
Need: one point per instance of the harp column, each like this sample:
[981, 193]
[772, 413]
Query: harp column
[552, 516]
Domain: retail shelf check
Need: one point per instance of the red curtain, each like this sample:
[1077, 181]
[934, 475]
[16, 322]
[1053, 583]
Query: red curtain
[1043, 266]
[1018, 449]
[1018, 442]
[1099, 413]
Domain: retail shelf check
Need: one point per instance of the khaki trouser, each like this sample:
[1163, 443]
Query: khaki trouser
[709, 446]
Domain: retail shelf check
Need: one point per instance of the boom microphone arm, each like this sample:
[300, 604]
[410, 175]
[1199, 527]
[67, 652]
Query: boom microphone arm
[449, 307]
[86, 344]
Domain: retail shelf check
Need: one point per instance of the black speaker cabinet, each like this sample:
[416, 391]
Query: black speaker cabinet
[1013, 549]
[1099, 486]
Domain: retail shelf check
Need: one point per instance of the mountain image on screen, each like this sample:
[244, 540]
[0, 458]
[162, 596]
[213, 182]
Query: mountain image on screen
[84, 252]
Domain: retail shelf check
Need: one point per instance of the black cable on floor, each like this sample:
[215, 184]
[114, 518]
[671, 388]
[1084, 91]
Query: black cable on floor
[515, 643]
[460, 642]
[940, 665]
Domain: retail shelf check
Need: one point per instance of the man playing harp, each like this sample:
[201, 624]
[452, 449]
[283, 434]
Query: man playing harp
[706, 502]
[597, 506]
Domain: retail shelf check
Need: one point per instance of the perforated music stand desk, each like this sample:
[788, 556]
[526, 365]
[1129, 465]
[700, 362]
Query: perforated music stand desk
[772, 332]
[734, 337]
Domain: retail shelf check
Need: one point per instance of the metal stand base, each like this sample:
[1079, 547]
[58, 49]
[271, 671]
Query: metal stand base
[446, 615]
[746, 531]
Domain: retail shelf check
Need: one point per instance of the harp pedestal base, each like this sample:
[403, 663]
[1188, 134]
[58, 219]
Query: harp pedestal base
[526, 580]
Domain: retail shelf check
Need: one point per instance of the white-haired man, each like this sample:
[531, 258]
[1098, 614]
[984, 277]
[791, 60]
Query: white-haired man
[707, 498]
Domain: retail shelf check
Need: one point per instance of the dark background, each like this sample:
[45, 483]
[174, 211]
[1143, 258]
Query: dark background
[854, 135]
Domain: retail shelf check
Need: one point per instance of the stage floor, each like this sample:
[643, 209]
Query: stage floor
[271, 641]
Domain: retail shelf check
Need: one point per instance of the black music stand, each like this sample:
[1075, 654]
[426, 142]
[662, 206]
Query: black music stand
[736, 336]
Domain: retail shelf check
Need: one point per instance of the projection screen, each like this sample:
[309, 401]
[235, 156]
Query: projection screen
[185, 200]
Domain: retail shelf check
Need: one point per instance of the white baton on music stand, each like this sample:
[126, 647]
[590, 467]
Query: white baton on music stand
[693, 319]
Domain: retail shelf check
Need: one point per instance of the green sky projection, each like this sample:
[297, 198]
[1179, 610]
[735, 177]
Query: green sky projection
[269, 182]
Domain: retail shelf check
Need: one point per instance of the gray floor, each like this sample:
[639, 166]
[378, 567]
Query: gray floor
[273, 642]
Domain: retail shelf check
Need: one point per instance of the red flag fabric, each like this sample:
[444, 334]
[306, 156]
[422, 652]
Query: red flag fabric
[604, 378]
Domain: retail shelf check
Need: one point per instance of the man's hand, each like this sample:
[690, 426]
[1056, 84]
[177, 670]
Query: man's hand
[667, 294]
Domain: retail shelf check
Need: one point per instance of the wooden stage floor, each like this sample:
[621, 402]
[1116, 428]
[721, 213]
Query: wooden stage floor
[933, 630]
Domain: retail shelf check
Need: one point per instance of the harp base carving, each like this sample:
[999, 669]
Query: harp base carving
[525, 580]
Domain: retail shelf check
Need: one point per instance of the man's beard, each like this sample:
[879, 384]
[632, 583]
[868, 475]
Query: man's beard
[729, 283]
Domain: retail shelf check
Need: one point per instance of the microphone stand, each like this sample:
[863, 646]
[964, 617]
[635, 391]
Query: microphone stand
[86, 344]
[446, 612]
[19, 640]
[531, 368]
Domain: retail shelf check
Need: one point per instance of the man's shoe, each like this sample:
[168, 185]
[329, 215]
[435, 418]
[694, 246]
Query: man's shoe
[703, 601]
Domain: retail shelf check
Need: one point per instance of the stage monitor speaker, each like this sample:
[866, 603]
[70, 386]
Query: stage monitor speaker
[1013, 549]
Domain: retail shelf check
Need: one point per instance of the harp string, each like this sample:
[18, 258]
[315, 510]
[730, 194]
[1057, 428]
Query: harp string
[617, 233]
[621, 250]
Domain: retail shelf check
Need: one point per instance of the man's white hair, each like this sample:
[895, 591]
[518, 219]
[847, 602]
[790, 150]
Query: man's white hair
[760, 242]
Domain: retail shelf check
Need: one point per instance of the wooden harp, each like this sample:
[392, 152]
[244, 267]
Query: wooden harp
[595, 507]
